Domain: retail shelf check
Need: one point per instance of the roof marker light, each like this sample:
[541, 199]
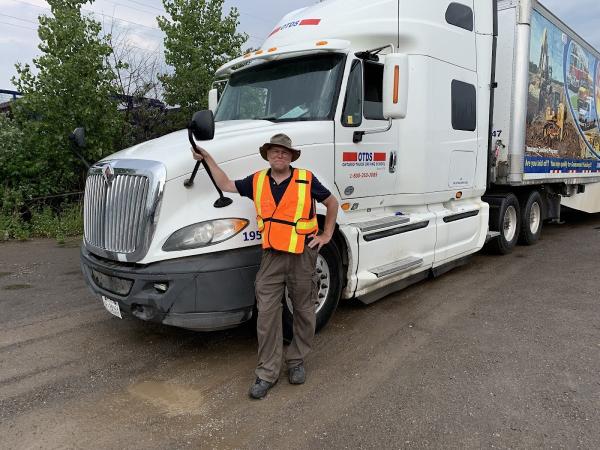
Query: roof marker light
[259, 52]
[272, 49]
[321, 43]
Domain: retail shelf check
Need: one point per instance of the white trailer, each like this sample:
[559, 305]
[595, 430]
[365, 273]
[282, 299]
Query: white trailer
[427, 120]
[545, 136]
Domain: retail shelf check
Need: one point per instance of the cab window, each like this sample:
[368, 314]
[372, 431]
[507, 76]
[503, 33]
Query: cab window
[373, 108]
[253, 100]
[352, 112]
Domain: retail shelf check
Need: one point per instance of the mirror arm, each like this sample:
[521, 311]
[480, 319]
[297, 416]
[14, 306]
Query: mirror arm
[190, 182]
[371, 55]
[358, 135]
[74, 147]
[222, 201]
[82, 159]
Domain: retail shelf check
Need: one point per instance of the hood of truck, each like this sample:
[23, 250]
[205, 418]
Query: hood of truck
[233, 140]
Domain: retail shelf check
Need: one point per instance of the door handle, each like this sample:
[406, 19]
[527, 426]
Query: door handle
[393, 161]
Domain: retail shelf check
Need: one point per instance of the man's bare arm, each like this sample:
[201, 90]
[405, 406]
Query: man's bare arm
[221, 178]
[332, 206]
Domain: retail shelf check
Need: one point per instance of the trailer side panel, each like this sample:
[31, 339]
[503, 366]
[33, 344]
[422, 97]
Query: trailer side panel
[562, 134]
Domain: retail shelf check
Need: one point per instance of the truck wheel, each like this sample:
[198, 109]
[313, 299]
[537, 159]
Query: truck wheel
[505, 218]
[531, 219]
[329, 290]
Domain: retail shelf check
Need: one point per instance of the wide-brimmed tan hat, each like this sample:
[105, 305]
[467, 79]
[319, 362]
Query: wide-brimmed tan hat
[279, 140]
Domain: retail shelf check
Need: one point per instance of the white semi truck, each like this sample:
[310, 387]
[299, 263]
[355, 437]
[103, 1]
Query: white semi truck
[437, 124]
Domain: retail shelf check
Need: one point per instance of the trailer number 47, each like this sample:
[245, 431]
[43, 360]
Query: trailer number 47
[496, 133]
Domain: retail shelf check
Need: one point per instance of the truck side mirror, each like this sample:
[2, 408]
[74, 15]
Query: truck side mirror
[213, 99]
[203, 125]
[395, 86]
[78, 137]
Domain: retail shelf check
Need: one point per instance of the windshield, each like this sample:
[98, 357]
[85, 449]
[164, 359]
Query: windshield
[295, 89]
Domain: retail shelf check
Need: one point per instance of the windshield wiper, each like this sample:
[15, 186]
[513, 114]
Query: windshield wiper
[270, 118]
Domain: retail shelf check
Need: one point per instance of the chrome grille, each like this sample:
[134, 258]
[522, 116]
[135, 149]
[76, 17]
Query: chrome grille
[120, 206]
[114, 214]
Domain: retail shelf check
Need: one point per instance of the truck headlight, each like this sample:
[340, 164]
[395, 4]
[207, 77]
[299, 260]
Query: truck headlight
[204, 234]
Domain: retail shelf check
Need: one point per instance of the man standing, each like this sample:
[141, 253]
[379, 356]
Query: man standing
[284, 198]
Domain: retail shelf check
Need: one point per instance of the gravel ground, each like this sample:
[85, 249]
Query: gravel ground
[501, 353]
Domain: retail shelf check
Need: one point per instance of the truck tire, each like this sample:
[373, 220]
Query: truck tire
[329, 290]
[505, 217]
[531, 219]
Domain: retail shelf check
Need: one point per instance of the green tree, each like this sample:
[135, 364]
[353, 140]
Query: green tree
[73, 86]
[199, 39]
[11, 163]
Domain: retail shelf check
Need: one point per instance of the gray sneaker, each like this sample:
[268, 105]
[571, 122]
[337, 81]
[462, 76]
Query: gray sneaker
[296, 375]
[260, 388]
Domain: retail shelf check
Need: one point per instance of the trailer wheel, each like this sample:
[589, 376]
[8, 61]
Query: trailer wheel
[505, 218]
[328, 284]
[531, 219]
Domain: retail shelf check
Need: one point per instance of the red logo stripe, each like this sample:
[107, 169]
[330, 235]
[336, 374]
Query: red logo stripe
[310, 21]
[379, 157]
[274, 31]
[349, 156]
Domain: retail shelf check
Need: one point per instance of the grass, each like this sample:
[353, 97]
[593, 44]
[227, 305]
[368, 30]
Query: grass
[44, 222]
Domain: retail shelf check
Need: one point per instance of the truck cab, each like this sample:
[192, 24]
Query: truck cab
[389, 103]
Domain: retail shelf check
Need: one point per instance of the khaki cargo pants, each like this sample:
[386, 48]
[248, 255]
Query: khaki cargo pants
[278, 270]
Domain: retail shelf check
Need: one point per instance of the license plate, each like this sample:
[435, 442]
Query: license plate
[112, 307]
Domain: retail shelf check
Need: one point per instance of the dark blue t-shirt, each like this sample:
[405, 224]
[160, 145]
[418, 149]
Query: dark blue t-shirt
[245, 188]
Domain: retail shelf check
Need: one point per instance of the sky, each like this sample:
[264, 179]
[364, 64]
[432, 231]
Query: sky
[19, 41]
[136, 18]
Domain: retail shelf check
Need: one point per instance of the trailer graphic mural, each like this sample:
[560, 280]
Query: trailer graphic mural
[597, 84]
[563, 134]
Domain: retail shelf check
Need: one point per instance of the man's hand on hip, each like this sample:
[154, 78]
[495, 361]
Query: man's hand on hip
[318, 241]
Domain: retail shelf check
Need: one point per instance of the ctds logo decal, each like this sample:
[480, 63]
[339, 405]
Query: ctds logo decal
[296, 23]
[363, 157]
[364, 164]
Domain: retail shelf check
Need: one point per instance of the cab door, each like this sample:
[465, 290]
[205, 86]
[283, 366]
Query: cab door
[364, 164]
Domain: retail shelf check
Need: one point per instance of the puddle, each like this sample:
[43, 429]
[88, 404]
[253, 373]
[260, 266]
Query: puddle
[174, 399]
[16, 287]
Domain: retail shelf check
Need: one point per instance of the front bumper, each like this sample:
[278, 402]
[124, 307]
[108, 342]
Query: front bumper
[204, 293]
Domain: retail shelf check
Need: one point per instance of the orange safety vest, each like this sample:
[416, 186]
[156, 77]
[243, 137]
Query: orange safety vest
[285, 226]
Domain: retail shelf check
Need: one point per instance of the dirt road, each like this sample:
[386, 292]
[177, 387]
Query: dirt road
[503, 352]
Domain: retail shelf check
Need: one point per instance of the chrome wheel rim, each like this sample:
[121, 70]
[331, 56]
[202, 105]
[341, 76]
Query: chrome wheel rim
[323, 276]
[535, 218]
[510, 223]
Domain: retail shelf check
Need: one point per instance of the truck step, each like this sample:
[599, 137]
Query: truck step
[491, 235]
[397, 266]
[378, 224]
